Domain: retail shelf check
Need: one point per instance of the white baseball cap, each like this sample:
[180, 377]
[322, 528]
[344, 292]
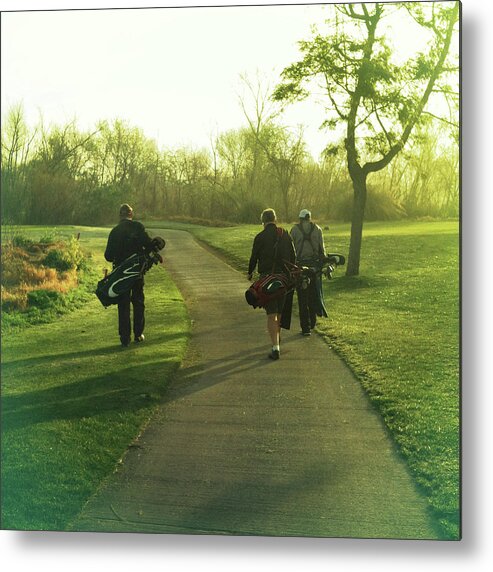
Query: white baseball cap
[305, 213]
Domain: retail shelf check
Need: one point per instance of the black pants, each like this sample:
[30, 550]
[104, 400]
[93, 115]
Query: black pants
[136, 298]
[307, 305]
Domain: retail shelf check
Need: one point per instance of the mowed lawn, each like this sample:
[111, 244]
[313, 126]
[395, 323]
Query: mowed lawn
[397, 326]
[73, 400]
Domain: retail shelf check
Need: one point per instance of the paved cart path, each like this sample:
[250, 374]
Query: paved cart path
[244, 445]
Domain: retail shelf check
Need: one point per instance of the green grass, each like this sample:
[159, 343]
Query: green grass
[397, 327]
[73, 399]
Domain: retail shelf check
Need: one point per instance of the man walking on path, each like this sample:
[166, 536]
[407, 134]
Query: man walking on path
[310, 252]
[271, 249]
[127, 238]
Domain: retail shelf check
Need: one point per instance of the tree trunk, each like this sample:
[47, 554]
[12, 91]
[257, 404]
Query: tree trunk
[285, 192]
[359, 203]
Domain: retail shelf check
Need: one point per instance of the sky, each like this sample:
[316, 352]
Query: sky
[173, 72]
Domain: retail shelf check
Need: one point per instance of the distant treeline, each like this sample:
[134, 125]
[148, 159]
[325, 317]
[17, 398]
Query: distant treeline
[62, 175]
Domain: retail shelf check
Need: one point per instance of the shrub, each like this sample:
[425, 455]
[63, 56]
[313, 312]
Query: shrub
[379, 206]
[51, 236]
[57, 259]
[249, 212]
[43, 299]
[68, 255]
[201, 221]
[42, 281]
[21, 241]
[75, 253]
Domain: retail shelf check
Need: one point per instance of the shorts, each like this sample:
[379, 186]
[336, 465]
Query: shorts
[275, 306]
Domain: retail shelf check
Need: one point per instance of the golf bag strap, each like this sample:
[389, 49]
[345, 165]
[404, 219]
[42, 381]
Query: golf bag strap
[309, 238]
[279, 233]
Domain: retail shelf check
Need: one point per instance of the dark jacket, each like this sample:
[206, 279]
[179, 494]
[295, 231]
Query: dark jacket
[126, 238]
[263, 250]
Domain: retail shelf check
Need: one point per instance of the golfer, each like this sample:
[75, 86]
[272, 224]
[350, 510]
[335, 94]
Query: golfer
[271, 249]
[127, 238]
[310, 252]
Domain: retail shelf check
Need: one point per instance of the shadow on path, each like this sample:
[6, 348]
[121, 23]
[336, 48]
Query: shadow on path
[244, 445]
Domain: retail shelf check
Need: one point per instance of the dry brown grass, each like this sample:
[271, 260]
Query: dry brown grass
[14, 298]
[23, 272]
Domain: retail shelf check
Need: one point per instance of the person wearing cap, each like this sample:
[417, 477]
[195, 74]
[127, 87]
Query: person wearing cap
[272, 247]
[127, 238]
[310, 252]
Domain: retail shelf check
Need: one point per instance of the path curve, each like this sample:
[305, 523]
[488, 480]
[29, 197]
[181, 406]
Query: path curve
[246, 446]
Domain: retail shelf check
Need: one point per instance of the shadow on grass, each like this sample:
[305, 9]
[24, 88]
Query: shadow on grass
[351, 283]
[99, 351]
[120, 389]
[129, 390]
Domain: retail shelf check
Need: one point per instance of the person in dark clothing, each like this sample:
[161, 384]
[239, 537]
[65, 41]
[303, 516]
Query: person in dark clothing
[271, 249]
[310, 252]
[127, 238]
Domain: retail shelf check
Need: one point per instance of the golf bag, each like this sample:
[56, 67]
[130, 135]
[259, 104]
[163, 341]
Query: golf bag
[330, 262]
[110, 289]
[270, 287]
[274, 286]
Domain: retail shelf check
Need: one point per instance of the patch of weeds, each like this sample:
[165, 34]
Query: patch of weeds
[42, 280]
[50, 236]
[44, 299]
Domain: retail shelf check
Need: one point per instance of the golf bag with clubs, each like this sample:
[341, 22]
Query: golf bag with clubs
[274, 286]
[121, 279]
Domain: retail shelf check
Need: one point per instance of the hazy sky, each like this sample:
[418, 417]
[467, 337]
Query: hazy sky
[174, 72]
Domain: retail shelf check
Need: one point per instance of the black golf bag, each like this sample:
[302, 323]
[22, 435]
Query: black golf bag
[121, 279]
[312, 274]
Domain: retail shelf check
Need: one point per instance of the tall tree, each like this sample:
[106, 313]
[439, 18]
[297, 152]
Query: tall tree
[17, 142]
[259, 113]
[376, 99]
[284, 150]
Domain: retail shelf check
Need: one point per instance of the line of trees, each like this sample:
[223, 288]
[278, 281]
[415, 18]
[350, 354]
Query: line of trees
[390, 156]
[62, 175]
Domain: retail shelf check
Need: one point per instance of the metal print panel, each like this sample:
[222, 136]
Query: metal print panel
[316, 140]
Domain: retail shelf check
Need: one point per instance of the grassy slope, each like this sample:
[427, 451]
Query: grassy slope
[397, 326]
[73, 400]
